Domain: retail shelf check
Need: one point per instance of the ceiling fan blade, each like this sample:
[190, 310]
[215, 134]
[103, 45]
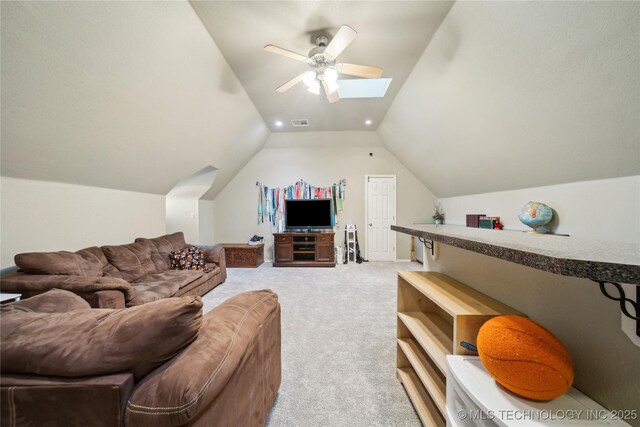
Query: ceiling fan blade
[340, 41]
[291, 83]
[284, 52]
[360, 70]
[331, 96]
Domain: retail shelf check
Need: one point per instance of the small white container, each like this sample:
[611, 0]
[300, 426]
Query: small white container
[474, 398]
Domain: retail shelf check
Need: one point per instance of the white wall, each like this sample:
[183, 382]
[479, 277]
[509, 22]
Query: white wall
[184, 206]
[207, 226]
[604, 210]
[321, 159]
[183, 214]
[49, 216]
[512, 95]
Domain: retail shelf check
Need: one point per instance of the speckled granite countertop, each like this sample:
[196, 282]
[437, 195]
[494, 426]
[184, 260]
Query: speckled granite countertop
[569, 256]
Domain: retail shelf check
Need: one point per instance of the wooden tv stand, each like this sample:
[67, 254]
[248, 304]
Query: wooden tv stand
[299, 249]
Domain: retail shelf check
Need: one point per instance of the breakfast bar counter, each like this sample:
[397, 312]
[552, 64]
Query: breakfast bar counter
[565, 255]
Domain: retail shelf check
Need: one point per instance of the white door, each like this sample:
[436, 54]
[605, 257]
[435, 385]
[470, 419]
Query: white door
[381, 214]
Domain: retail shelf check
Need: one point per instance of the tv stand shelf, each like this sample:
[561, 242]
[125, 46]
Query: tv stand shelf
[300, 249]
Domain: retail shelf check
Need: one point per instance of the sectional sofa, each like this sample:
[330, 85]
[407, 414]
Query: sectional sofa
[116, 276]
[158, 364]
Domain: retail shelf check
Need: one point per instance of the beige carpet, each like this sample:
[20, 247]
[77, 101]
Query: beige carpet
[338, 343]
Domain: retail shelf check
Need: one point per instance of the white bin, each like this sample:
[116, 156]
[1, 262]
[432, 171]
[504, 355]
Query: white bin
[475, 399]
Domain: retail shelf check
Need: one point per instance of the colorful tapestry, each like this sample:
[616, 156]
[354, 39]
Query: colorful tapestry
[271, 200]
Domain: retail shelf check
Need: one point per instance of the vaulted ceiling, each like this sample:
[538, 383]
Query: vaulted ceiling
[487, 96]
[391, 35]
[512, 95]
[125, 95]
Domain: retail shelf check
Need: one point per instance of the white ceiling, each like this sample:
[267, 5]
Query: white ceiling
[391, 35]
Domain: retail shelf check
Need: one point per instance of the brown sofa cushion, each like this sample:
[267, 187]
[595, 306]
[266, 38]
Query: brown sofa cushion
[87, 262]
[39, 283]
[162, 247]
[180, 277]
[167, 243]
[153, 291]
[201, 371]
[132, 260]
[213, 270]
[161, 285]
[98, 341]
[53, 301]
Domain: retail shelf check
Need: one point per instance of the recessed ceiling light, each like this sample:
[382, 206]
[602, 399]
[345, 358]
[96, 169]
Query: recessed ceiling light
[278, 123]
[367, 122]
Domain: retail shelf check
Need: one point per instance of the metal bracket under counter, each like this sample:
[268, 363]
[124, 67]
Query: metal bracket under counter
[427, 244]
[624, 301]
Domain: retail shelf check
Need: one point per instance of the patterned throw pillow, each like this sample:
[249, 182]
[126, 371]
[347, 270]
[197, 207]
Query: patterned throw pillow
[190, 258]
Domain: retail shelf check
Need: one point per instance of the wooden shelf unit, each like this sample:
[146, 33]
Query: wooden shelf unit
[420, 400]
[312, 249]
[435, 314]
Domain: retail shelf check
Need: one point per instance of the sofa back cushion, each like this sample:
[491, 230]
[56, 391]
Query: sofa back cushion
[97, 341]
[162, 247]
[132, 261]
[87, 262]
[98, 260]
[53, 301]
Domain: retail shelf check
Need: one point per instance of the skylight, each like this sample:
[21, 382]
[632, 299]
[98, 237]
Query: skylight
[363, 88]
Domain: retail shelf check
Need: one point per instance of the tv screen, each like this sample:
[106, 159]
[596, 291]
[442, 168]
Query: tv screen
[305, 213]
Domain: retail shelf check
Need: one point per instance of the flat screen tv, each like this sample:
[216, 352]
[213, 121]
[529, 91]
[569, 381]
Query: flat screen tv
[307, 214]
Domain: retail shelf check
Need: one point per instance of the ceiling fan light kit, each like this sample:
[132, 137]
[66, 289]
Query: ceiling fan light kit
[322, 60]
[314, 87]
[330, 75]
[309, 78]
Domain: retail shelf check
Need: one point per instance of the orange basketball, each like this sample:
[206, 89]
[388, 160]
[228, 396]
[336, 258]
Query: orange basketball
[525, 358]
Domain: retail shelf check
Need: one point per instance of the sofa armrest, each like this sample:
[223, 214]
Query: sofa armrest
[214, 254]
[31, 400]
[201, 371]
[33, 284]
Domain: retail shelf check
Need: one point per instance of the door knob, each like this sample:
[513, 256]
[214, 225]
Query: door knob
[370, 224]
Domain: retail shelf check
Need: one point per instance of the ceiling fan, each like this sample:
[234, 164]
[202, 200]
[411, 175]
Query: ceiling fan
[324, 68]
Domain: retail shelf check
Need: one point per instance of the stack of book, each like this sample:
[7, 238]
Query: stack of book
[489, 222]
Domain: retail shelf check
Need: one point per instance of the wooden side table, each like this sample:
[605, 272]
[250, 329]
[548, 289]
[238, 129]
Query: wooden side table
[242, 255]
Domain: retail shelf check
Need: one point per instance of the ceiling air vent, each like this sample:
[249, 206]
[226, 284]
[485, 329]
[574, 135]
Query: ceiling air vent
[298, 123]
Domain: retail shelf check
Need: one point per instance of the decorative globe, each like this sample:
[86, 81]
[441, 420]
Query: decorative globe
[536, 215]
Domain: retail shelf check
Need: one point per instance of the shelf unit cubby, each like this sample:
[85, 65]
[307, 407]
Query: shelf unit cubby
[435, 314]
